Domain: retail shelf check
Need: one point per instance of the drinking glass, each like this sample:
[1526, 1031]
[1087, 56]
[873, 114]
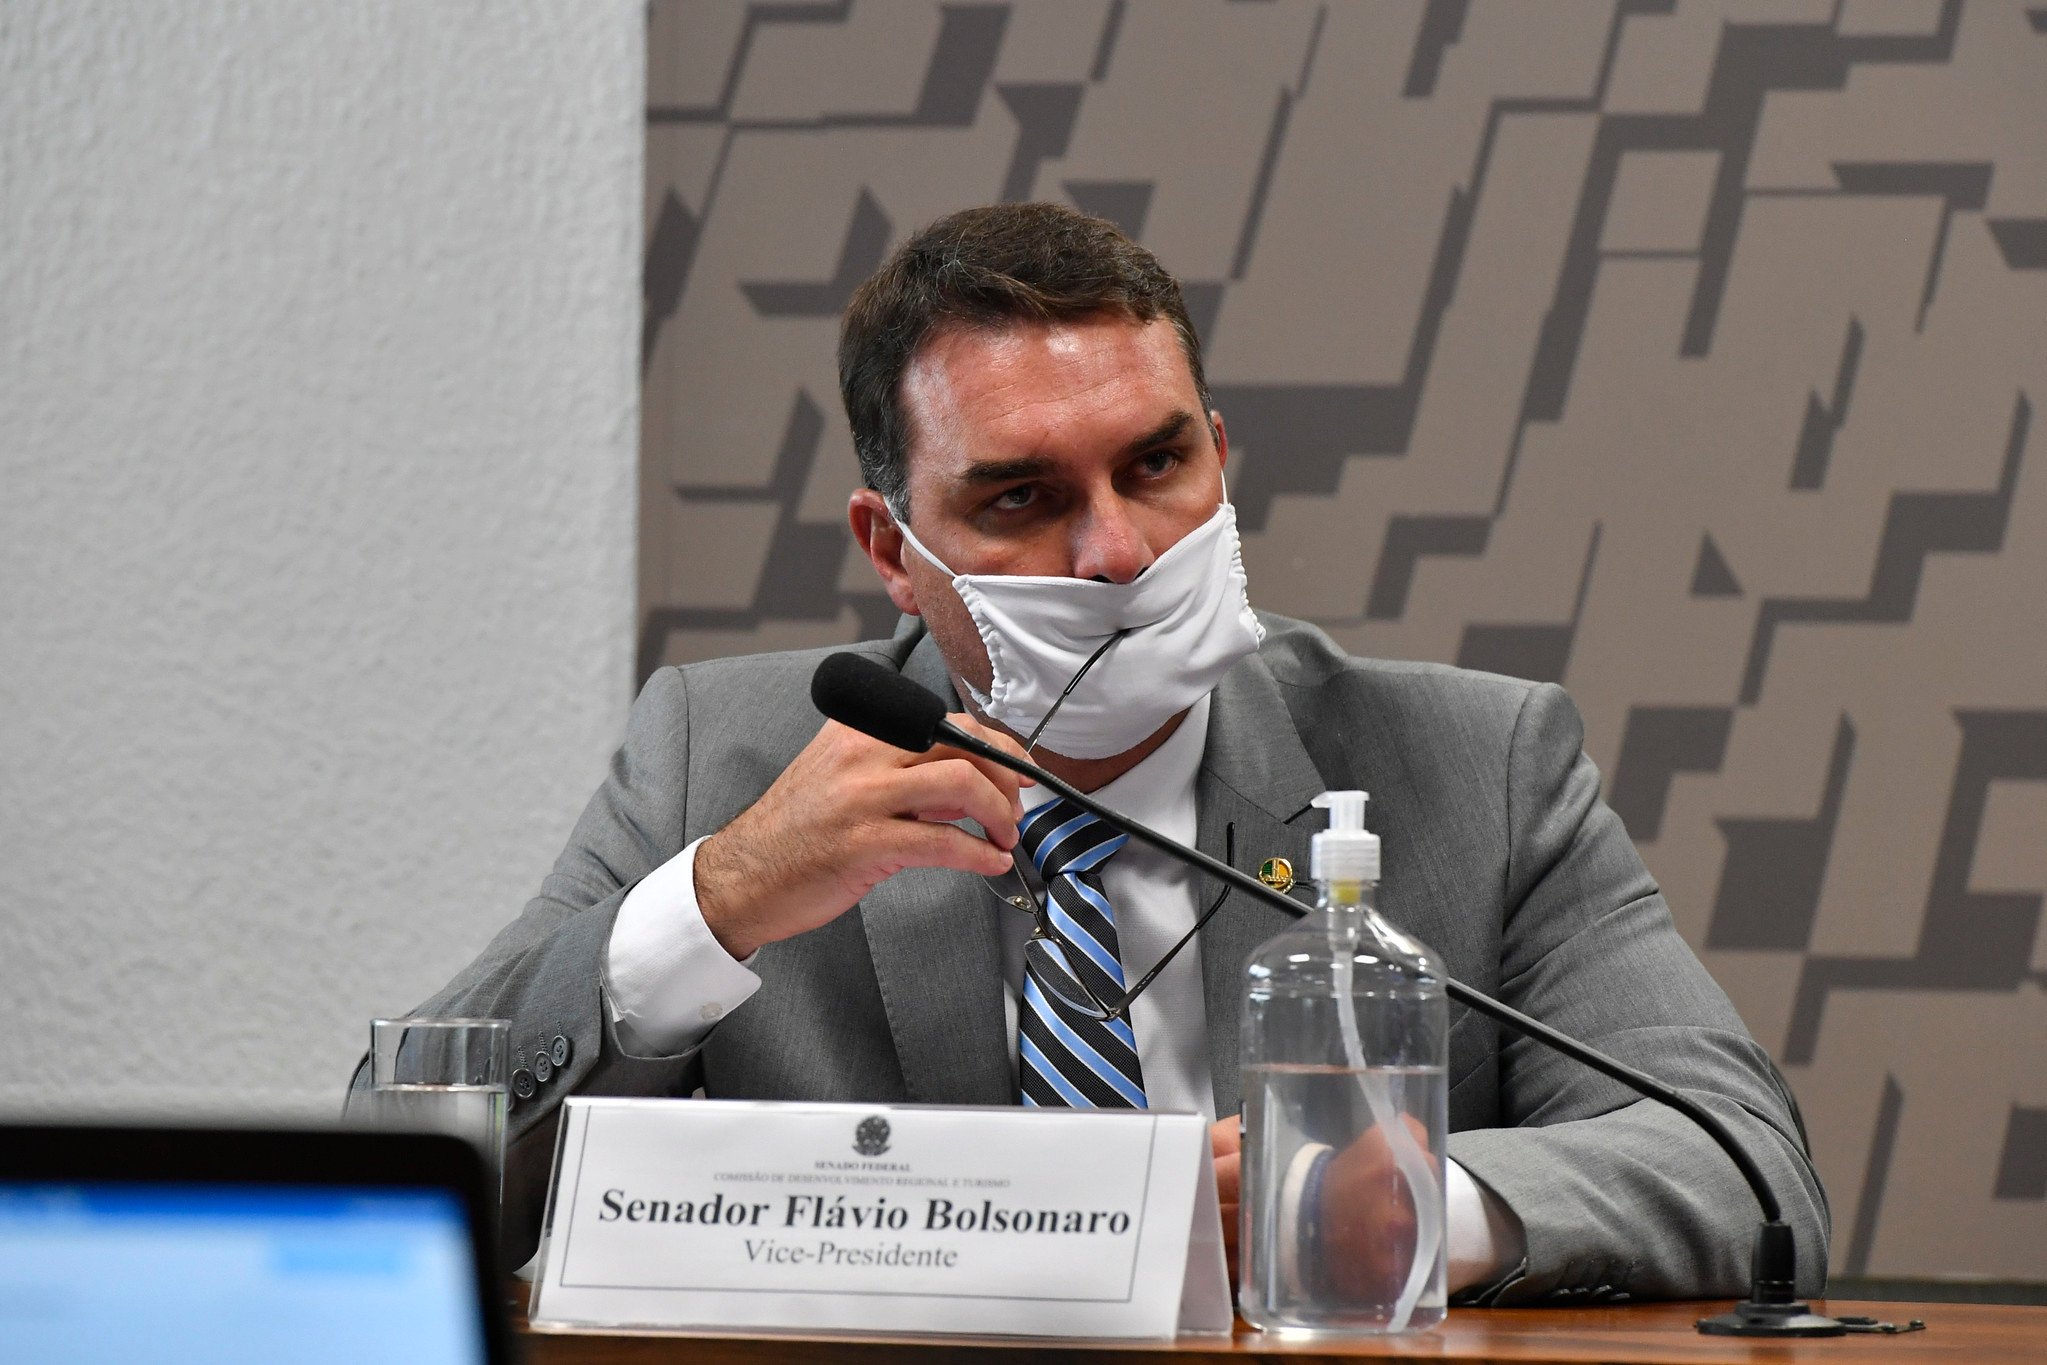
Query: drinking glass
[446, 1076]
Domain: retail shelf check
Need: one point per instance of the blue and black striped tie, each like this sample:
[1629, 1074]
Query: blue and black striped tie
[1065, 1058]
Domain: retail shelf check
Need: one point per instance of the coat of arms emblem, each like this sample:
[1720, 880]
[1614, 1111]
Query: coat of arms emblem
[871, 1137]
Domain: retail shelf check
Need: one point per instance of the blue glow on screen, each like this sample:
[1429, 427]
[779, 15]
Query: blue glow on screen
[192, 1273]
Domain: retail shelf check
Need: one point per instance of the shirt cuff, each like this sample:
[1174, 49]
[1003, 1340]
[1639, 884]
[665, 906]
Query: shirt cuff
[1294, 1211]
[668, 981]
[1484, 1237]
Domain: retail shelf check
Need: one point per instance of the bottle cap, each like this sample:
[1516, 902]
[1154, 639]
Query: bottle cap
[1346, 851]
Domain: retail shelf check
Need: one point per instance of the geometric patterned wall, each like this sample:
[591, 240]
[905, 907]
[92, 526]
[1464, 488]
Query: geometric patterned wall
[1690, 355]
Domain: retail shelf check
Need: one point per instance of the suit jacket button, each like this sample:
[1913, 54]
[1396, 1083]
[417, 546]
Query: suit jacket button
[522, 1084]
[543, 1067]
[560, 1050]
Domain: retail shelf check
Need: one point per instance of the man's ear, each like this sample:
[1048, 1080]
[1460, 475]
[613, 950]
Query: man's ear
[875, 528]
[1222, 437]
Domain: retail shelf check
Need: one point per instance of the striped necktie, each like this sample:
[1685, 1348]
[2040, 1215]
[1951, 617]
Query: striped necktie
[1065, 1058]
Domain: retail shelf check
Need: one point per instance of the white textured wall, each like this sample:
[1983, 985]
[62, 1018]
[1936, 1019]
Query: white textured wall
[318, 386]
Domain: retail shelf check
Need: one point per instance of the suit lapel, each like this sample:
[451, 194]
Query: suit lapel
[938, 960]
[937, 953]
[1255, 774]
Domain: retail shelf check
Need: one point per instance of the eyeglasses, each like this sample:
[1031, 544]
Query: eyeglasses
[1046, 954]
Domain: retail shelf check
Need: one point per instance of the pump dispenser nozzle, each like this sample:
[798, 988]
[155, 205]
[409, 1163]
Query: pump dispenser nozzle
[1346, 851]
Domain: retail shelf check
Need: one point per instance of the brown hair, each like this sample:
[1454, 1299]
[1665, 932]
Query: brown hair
[985, 267]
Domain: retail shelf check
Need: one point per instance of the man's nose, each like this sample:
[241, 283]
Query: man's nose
[1109, 546]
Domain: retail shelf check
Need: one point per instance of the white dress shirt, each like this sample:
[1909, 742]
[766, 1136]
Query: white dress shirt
[670, 981]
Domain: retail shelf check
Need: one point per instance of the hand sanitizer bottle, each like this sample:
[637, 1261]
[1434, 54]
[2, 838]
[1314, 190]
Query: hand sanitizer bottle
[1345, 1036]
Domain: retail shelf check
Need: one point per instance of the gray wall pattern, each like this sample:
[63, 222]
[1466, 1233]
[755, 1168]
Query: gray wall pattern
[1685, 354]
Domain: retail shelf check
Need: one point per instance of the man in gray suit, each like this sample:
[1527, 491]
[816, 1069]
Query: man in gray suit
[759, 904]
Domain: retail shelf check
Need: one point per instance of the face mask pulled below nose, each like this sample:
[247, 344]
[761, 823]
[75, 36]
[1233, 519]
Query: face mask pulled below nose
[1189, 620]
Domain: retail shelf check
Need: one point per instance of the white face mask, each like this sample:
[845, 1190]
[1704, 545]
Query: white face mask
[1188, 617]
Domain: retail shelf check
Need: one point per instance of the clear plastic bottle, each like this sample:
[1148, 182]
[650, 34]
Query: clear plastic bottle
[1345, 1035]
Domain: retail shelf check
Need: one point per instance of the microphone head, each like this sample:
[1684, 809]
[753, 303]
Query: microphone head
[877, 701]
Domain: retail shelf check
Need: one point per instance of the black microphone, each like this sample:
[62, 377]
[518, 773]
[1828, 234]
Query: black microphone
[876, 700]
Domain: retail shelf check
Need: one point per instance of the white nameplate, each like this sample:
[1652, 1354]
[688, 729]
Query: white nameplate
[839, 1217]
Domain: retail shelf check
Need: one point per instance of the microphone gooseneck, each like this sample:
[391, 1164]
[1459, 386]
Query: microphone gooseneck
[877, 700]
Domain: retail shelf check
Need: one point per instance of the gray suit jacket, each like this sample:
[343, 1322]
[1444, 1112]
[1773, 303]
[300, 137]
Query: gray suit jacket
[1499, 855]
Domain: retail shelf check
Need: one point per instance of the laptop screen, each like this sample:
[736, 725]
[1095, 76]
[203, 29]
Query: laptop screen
[218, 1272]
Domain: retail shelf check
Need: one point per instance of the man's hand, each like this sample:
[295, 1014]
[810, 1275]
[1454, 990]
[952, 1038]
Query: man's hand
[1226, 1144]
[849, 813]
[1367, 1219]
[1365, 1210]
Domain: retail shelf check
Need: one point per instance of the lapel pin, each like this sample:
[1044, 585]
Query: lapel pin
[1277, 873]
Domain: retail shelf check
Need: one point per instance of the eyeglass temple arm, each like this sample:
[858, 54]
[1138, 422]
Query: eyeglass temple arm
[1067, 691]
[1641, 1082]
[1122, 1009]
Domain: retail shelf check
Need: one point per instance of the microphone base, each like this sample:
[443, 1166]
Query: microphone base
[1752, 1319]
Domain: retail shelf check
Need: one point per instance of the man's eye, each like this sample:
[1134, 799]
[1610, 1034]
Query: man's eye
[1158, 461]
[1014, 499]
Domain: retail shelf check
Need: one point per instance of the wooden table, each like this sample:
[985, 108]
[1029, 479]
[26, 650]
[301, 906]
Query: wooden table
[1654, 1333]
